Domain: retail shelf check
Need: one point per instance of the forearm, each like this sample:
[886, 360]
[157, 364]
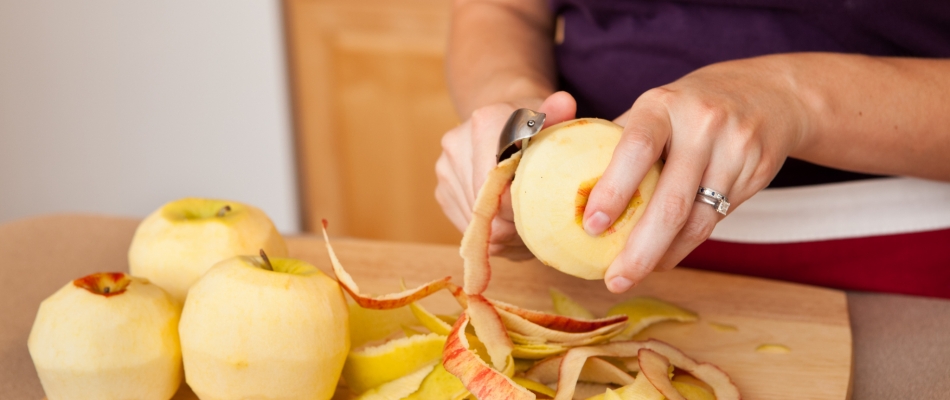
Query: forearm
[874, 114]
[499, 51]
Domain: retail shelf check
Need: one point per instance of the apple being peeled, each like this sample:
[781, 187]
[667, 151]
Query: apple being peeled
[107, 336]
[176, 244]
[552, 183]
[259, 328]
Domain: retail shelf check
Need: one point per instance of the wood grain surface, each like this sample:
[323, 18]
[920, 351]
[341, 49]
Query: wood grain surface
[901, 346]
[812, 322]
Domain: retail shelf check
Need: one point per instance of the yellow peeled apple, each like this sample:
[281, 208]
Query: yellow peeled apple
[107, 336]
[254, 328]
[177, 243]
[552, 183]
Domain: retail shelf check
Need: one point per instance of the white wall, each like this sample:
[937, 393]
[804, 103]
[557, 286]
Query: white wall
[116, 107]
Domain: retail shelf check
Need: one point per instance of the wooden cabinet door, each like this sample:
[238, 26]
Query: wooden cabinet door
[370, 104]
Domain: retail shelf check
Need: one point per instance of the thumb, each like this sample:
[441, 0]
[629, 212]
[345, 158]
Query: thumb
[558, 107]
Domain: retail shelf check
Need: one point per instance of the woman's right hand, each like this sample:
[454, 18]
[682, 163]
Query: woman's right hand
[468, 154]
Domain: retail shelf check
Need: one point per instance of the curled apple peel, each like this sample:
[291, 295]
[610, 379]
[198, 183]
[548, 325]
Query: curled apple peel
[387, 301]
[657, 369]
[483, 381]
[490, 330]
[370, 367]
[595, 370]
[644, 311]
[508, 331]
[575, 358]
[474, 248]
[560, 322]
[525, 327]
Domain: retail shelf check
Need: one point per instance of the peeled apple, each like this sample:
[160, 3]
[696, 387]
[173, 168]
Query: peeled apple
[550, 191]
[259, 328]
[107, 336]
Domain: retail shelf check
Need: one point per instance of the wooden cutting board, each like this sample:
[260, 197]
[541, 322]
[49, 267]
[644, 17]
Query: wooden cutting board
[812, 322]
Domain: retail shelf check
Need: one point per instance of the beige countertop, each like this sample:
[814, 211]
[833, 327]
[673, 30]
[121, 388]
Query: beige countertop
[901, 343]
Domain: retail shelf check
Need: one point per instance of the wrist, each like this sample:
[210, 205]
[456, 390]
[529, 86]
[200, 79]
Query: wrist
[810, 106]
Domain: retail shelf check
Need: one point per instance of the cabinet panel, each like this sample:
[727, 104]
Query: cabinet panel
[371, 105]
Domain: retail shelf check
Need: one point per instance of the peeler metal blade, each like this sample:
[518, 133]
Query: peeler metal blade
[521, 125]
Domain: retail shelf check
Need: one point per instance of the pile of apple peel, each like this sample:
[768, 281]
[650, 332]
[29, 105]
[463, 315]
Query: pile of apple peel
[516, 353]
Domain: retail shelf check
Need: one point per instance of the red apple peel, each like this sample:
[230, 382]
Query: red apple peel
[536, 333]
[574, 360]
[490, 330]
[559, 322]
[480, 379]
[475, 241]
[384, 302]
[595, 370]
[656, 368]
[530, 329]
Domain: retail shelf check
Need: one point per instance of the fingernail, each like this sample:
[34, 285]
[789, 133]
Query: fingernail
[619, 284]
[596, 224]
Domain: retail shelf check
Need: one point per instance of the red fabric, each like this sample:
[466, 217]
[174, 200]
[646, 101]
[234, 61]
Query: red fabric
[914, 263]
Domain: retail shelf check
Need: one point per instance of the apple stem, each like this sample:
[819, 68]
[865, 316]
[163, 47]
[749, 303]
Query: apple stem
[106, 290]
[224, 210]
[267, 263]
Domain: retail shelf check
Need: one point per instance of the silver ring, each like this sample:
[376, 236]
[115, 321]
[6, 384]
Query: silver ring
[713, 198]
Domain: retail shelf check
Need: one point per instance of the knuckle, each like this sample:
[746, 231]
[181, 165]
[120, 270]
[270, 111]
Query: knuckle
[712, 115]
[697, 230]
[443, 169]
[660, 94]
[708, 113]
[485, 113]
[450, 140]
[607, 195]
[637, 141]
[485, 118]
[746, 129]
[632, 265]
[674, 210]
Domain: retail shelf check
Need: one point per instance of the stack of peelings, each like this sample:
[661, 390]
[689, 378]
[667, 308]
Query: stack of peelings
[511, 352]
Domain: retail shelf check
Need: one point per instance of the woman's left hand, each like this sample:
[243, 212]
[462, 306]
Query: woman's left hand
[727, 127]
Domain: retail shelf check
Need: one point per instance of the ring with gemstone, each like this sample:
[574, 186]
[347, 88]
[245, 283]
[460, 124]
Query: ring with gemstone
[713, 198]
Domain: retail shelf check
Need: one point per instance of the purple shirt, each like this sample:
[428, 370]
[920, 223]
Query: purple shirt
[614, 50]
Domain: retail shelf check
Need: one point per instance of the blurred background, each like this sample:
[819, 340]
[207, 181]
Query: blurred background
[309, 109]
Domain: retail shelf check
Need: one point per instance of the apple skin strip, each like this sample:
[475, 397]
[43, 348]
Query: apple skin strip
[384, 302]
[566, 306]
[527, 328]
[643, 311]
[429, 320]
[474, 249]
[490, 330]
[480, 379]
[656, 368]
[518, 338]
[440, 384]
[611, 395]
[560, 322]
[574, 360]
[459, 294]
[537, 351]
[534, 386]
[640, 389]
[399, 388]
[595, 370]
